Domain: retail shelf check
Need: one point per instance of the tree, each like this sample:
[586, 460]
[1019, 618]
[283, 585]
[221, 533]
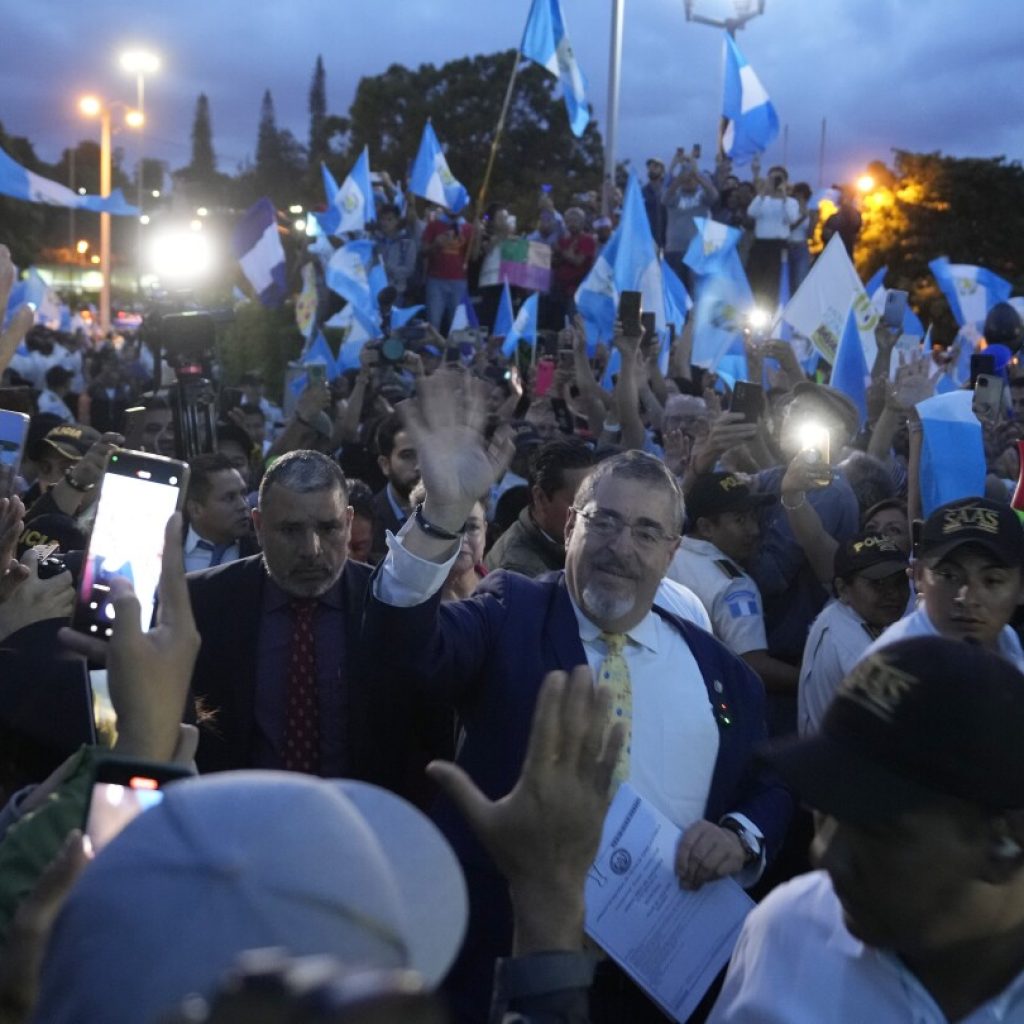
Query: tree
[463, 98]
[280, 161]
[203, 164]
[929, 205]
[317, 116]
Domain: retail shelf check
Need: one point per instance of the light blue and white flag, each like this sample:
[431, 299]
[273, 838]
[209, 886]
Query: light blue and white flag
[677, 299]
[401, 315]
[431, 177]
[546, 41]
[952, 450]
[351, 207]
[464, 316]
[20, 183]
[850, 372]
[752, 121]
[710, 247]
[258, 248]
[819, 307]
[355, 275]
[876, 292]
[723, 301]
[628, 262]
[970, 291]
[524, 327]
[320, 352]
[504, 317]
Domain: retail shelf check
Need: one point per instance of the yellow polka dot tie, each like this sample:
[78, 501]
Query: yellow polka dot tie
[614, 673]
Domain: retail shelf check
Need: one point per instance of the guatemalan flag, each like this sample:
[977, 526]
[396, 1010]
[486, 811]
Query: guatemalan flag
[524, 327]
[710, 247]
[970, 291]
[20, 183]
[258, 248]
[546, 42]
[629, 262]
[752, 121]
[431, 177]
[351, 207]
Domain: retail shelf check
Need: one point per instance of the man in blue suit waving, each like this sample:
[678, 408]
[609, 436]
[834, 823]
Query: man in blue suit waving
[694, 712]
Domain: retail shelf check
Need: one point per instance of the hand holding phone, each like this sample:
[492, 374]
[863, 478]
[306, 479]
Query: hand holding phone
[895, 309]
[990, 398]
[748, 399]
[629, 313]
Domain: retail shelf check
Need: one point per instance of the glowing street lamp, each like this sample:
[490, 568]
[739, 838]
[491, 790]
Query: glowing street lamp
[93, 106]
[865, 183]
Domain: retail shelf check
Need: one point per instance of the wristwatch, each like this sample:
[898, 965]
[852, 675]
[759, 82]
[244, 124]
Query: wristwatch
[70, 481]
[752, 844]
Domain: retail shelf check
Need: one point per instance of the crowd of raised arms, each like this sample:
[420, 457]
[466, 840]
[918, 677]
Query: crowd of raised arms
[418, 622]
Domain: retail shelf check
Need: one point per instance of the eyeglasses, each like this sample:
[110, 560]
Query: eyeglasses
[605, 525]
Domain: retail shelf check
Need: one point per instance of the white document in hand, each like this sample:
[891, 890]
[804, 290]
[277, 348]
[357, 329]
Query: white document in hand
[672, 942]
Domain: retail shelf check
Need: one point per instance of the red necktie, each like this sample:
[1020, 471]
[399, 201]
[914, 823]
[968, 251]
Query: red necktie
[302, 725]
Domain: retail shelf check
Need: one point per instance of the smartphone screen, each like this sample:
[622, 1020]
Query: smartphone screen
[629, 313]
[13, 431]
[121, 791]
[545, 376]
[748, 399]
[139, 493]
[988, 400]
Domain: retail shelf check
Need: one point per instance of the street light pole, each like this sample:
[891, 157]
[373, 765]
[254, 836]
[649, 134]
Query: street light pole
[614, 67]
[105, 220]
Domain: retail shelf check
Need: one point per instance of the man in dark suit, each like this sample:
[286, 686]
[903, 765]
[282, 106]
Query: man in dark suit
[694, 711]
[397, 459]
[280, 678]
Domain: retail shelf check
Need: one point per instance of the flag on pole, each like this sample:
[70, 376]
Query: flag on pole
[952, 450]
[819, 308]
[464, 316]
[353, 273]
[723, 299]
[258, 249]
[677, 299]
[546, 42]
[504, 318]
[351, 207]
[752, 121]
[850, 371]
[710, 246]
[524, 327]
[970, 291]
[431, 177]
[628, 262]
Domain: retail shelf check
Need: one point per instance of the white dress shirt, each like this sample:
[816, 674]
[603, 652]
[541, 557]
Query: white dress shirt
[198, 557]
[795, 963]
[674, 737]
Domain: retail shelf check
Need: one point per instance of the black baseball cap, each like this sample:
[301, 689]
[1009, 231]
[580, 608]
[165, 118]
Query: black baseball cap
[870, 555]
[72, 440]
[991, 525]
[715, 493]
[918, 720]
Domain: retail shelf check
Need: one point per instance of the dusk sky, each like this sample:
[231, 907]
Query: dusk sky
[916, 74]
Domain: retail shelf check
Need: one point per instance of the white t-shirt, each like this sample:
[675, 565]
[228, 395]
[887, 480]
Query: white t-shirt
[795, 963]
[772, 216]
[837, 640]
[731, 597]
[918, 624]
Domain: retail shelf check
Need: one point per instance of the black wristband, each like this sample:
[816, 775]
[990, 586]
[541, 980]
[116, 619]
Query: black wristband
[81, 488]
[432, 530]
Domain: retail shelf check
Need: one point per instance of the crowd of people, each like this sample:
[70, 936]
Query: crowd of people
[418, 624]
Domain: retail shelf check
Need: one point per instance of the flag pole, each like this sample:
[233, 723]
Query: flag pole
[495, 143]
[614, 67]
[482, 195]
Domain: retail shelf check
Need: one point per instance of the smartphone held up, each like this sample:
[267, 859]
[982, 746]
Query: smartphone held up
[138, 495]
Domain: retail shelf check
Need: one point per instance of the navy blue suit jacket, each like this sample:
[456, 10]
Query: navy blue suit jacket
[488, 656]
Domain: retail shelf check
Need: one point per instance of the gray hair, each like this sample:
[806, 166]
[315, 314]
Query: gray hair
[303, 471]
[642, 467]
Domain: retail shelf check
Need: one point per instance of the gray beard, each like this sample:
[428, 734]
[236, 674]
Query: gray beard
[604, 607]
